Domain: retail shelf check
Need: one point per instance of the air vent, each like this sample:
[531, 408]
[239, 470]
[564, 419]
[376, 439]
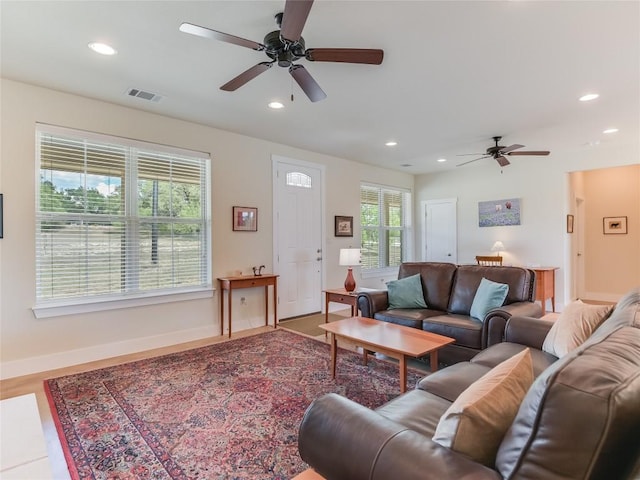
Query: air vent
[406, 165]
[144, 95]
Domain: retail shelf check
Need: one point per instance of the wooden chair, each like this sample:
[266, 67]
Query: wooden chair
[488, 261]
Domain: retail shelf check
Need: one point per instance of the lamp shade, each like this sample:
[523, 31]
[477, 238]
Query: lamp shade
[349, 257]
[498, 247]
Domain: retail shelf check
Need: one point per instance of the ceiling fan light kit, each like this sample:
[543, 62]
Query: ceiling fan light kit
[500, 153]
[286, 46]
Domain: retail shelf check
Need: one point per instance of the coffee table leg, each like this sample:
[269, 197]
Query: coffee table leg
[434, 361]
[403, 373]
[334, 353]
[365, 356]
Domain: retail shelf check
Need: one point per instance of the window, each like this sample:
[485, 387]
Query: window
[118, 219]
[385, 221]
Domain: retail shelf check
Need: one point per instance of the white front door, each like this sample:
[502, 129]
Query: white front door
[298, 230]
[440, 231]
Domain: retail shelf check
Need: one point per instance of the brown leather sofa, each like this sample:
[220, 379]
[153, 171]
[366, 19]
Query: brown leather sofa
[579, 420]
[449, 291]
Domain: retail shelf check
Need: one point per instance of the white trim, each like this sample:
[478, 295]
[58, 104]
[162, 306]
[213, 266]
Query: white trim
[60, 309]
[79, 356]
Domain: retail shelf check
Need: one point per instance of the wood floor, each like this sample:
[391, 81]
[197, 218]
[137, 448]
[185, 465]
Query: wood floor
[13, 387]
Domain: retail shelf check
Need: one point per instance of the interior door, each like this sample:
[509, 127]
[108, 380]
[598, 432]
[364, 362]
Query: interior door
[298, 228]
[440, 231]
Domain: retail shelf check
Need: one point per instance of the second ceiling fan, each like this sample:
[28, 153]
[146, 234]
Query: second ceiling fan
[500, 153]
[285, 46]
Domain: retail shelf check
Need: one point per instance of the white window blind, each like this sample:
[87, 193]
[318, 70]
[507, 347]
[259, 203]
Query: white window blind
[118, 218]
[384, 222]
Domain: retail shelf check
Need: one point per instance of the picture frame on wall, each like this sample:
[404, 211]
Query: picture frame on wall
[614, 225]
[245, 219]
[569, 223]
[343, 226]
[1, 215]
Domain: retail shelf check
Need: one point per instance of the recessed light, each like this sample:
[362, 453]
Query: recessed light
[610, 130]
[391, 144]
[275, 105]
[102, 48]
[588, 97]
[442, 160]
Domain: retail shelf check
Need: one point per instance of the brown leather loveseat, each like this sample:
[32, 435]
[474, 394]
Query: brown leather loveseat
[579, 419]
[449, 291]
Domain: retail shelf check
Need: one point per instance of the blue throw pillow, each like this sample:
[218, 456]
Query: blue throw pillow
[406, 293]
[489, 295]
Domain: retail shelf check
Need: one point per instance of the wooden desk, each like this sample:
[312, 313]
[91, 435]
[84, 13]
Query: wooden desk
[233, 283]
[546, 286]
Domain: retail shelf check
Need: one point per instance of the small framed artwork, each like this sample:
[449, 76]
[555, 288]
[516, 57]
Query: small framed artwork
[344, 226]
[614, 225]
[1, 216]
[569, 223]
[245, 219]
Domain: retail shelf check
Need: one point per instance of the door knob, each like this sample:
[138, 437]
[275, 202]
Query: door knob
[319, 258]
[319, 250]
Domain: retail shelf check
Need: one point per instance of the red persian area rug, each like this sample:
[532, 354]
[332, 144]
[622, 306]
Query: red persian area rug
[226, 411]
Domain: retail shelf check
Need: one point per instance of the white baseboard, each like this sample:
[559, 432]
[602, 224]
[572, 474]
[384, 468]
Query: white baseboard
[44, 363]
[603, 297]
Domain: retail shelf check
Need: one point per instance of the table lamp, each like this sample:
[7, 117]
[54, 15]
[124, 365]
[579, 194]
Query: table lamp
[349, 257]
[497, 247]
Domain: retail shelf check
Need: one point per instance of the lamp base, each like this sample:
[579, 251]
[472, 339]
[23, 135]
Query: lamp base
[350, 283]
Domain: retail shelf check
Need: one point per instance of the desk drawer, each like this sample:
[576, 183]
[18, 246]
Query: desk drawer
[251, 282]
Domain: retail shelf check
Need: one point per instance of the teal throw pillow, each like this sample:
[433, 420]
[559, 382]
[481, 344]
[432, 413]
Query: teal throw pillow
[489, 295]
[406, 293]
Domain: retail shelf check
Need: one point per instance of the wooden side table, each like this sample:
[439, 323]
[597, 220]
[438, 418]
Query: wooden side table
[233, 283]
[546, 286]
[340, 295]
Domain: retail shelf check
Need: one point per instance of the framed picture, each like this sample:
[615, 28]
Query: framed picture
[499, 213]
[245, 219]
[1, 216]
[569, 223]
[344, 226]
[614, 225]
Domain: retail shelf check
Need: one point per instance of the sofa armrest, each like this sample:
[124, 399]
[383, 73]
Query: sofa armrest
[527, 331]
[496, 320]
[371, 302]
[343, 440]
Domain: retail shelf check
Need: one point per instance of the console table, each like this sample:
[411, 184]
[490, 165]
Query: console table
[546, 286]
[234, 283]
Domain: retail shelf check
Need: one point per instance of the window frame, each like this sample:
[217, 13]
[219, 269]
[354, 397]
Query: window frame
[125, 298]
[406, 229]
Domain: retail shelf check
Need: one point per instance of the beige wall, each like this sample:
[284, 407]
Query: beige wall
[241, 175]
[612, 262]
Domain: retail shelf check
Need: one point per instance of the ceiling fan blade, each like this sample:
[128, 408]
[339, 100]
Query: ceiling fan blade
[531, 152]
[307, 83]
[223, 37]
[346, 55]
[474, 160]
[502, 161]
[467, 154]
[294, 17]
[245, 76]
[515, 146]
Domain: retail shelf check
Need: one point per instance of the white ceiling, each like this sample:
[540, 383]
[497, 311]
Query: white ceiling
[454, 73]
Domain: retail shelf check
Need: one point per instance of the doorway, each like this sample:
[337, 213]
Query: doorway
[298, 235]
[440, 242]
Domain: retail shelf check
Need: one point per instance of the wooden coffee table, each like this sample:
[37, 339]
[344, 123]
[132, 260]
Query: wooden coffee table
[393, 340]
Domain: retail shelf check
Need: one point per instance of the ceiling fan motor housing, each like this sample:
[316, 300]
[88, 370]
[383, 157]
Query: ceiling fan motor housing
[284, 54]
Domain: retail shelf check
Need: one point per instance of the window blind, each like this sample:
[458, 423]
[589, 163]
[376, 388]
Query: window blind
[384, 225]
[118, 218]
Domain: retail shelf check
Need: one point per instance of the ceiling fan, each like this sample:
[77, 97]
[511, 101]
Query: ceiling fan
[500, 153]
[285, 46]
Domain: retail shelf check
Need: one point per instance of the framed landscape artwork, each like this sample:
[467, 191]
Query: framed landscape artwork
[344, 226]
[245, 219]
[499, 213]
[614, 225]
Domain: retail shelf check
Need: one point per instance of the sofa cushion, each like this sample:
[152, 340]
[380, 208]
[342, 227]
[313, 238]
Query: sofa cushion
[418, 410]
[406, 293]
[466, 331]
[489, 295]
[495, 354]
[437, 279]
[575, 324]
[451, 381]
[477, 421]
[408, 318]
